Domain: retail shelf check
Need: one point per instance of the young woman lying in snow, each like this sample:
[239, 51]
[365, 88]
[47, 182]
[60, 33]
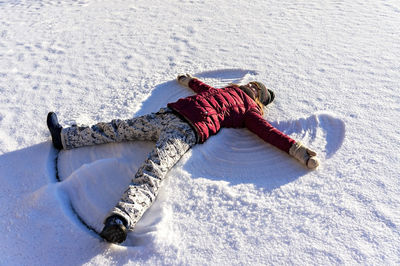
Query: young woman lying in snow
[176, 129]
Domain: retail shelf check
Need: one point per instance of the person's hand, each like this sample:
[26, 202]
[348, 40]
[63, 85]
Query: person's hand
[304, 155]
[184, 79]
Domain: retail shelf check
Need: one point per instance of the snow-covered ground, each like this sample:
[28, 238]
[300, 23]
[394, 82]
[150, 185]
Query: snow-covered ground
[334, 66]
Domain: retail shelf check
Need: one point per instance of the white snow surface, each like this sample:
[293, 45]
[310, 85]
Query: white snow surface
[233, 200]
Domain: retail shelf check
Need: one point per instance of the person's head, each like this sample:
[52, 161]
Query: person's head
[258, 92]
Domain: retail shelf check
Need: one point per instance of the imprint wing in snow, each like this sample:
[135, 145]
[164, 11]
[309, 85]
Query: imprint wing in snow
[322, 132]
[171, 91]
[237, 156]
[94, 178]
[94, 188]
[222, 77]
[71, 160]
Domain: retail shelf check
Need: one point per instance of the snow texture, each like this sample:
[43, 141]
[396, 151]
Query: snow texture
[234, 200]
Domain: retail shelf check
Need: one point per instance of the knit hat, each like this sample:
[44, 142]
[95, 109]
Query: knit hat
[266, 96]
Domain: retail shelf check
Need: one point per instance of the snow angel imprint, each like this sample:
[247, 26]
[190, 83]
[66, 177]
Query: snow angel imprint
[175, 129]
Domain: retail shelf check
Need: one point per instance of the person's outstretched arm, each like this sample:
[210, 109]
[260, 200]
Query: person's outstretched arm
[193, 83]
[258, 125]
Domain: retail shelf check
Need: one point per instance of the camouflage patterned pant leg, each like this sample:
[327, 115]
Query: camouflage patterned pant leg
[147, 127]
[175, 139]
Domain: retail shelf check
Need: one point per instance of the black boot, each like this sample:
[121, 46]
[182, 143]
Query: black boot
[114, 230]
[55, 130]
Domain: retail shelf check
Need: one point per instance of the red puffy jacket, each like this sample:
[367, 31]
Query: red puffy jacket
[211, 108]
